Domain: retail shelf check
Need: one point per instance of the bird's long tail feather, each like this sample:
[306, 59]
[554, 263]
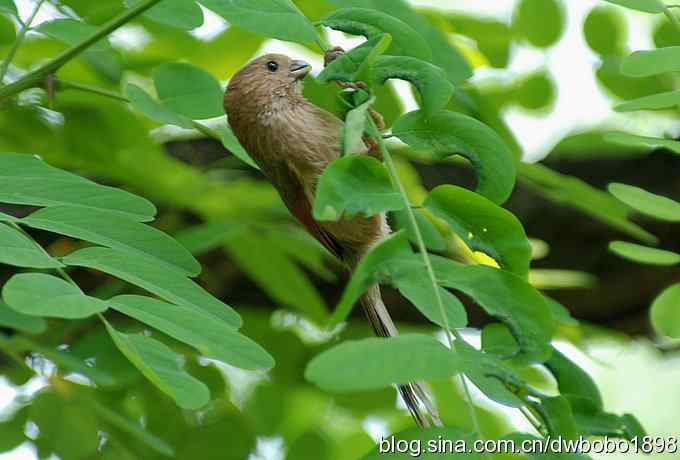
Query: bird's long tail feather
[415, 395]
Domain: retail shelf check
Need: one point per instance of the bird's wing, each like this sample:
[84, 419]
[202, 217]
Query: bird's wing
[292, 191]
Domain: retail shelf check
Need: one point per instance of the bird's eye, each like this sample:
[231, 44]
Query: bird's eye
[272, 66]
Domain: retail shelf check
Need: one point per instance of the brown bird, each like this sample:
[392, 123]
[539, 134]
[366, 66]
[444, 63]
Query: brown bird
[293, 141]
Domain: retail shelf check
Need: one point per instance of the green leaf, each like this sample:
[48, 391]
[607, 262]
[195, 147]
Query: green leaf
[605, 30]
[566, 190]
[232, 144]
[188, 91]
[167, 284]
[434, 241]
[369, 23]
[647, 203]
[355, 185]
[430, 80]
[647, 6]
[653, 62]
[353, 65]
[535, 92]
[418, 290]
[183, 14]
[115, 232]
[24, 179]
[7, 31]
[419, 438]
[368, 364]
[162, 367]
[541, 22]
[8, 6]
[213, 339]
[24, 323]
[507, 297]
[39, 294]
[72, 32]
[273, 18]
[354, 128]
[449, 133]
[643, 254]
[642, 141]
[19, 250]
[572, 381]
[494, 38]
[483, 225]
[666, 100]
[489, 374]
[497, 340]
[665, 312]
[559, 416]
[144, 103]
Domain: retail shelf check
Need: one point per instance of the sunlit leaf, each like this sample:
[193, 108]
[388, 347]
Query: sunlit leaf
[115, 232]
[7, 31]
[369, 23]
[143, 102]
[418, 290]
[434, 240]
[232, 144]
[374, 363]
[449, 133]
[170, 285]
[605, 30]
[493, 37]
[184, 14]
[19, 250]
[643, 141]
[541, 22]
[647, 203]
[643, 254]
[21, 322]
[648, 6]
[354, 128]
[212, 338]
[665, 312]
[24, 179]
[188, 91]
[162, 367]
[273, 18]
[353, 65]
[435, 90]
[535, 92]
[483, 225]
[8, 6]
[659, 101]
[355, 185]
[653, 62]
[39, 294]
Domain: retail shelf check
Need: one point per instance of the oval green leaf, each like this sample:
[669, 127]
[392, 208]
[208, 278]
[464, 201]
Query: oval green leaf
[170, 285]
[605, 30]
[448, 133]
[115, 232]
[24, 179]
[574, 382]
[144, 103]
[39, 294]
[213, 339]
[161, 366]
[8, 6]
[21, 322]
[418, 290]
[653, 62]
[352, 66]
[659, 101]
[374, 363]
[231, 143]
[483, 225]
[19, 250]
[355, 185]
[646, 6]
[72, 32]
[646, 202]
[541, 22]
[665, 312]
[273, 18]
[631, 140]
[183, 14]
[354, 128]
[369, 23]
[430, 80]
[188, 91]
[643, 254]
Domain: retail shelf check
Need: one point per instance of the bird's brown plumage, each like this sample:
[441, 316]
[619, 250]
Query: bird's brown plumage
[293, 141]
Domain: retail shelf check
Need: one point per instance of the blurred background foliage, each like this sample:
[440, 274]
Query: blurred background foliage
[282, 283]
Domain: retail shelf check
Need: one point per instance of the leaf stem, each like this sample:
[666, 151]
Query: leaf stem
[451, 334]
[35, 77]
[25, 27]
[65, 85]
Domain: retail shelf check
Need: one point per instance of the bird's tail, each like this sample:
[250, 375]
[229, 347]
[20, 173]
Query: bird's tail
[415, 395]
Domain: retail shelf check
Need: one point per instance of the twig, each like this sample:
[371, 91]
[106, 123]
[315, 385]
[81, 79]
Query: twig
[25, 27]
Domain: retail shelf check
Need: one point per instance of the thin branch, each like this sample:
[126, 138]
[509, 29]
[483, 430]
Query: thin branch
[66, 85]
[25, 27]
[36, 77]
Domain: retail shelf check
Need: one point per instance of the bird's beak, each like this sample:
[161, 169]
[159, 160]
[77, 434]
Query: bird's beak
[299, 69]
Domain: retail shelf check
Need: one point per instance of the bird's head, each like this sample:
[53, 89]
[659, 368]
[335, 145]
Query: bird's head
[266, 79]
